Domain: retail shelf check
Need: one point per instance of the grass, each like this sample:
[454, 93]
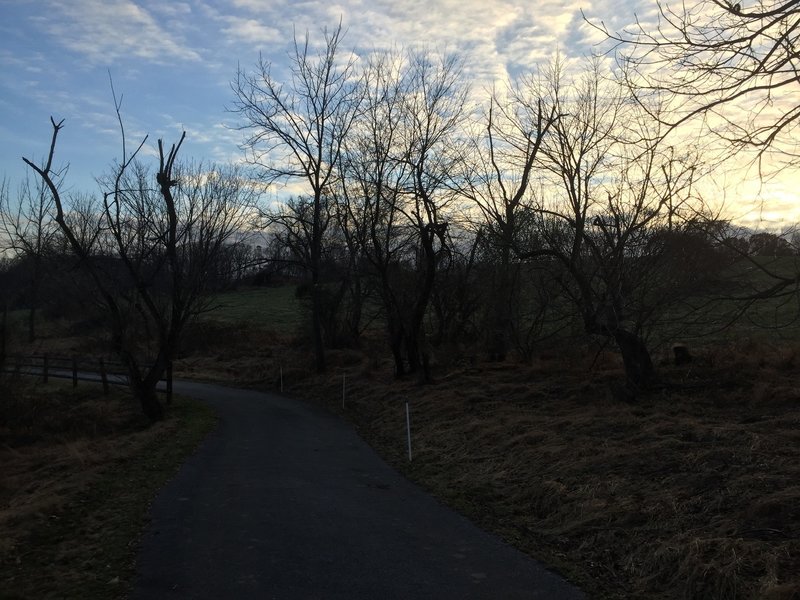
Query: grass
[768, 317]
[276, 308]
[79, 472]
[239, 353]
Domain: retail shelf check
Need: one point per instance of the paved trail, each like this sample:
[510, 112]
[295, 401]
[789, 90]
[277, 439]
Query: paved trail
[283, 501]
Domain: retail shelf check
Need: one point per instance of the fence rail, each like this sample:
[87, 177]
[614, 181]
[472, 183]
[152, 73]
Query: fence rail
[90, 369]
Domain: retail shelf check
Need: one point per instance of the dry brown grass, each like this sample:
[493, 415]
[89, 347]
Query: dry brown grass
[691, 492]
[238, 353]
[78, 471]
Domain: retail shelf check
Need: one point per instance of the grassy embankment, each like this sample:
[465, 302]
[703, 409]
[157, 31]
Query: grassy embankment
[79, 471]
[690, 492]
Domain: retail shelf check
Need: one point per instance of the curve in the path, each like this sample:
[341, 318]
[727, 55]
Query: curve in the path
[285, 501]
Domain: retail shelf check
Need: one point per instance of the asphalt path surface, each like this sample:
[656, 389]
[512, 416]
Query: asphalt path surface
[285, 501]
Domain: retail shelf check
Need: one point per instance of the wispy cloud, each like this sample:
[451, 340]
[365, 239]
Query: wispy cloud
[171, 9]
[103, 31]
[32, 62]
[249, 31]
[497, 38]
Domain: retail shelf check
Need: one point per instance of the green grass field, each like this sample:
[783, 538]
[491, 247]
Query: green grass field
[275, 308]
[702, 320]
[725, 315]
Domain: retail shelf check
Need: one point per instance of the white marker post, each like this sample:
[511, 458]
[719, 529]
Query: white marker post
[408, 430]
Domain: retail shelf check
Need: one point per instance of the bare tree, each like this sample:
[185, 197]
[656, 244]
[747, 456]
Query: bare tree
[433, 147]
[293, 225]
[516, 123]
[456, 298]
[734, 63]
[297, 129]
[401, 166]
[27, 230]
[350, 235]
[153, 249]
[373, 184]
[4, 268]
[613, 185]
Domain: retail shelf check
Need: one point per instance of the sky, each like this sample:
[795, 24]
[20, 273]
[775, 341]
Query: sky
[172, 64]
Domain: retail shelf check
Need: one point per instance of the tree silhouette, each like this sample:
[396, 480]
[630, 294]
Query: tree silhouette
[735, 65]
[296, 130]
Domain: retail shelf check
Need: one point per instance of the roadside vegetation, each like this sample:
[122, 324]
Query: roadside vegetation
[79, 472]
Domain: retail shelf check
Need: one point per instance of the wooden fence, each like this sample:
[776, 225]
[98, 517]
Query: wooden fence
[78, 369]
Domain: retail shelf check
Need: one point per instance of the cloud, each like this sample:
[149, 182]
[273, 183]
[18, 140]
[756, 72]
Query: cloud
[180, 57]
[171, 9]
[31, 62]
[250, 31]
[496, 38]
[104, 31]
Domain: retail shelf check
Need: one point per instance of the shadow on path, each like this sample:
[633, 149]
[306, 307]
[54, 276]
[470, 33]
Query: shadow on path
[285, 501]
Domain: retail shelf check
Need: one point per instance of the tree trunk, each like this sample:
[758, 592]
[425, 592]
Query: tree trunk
[498, 342]
[394, 325]
[151, 405]
[147, 396]
[316, 291]
[3, 335]
[316, 309]
[425, 376]
[412, 352]
[34, 301]
[144, 388]
[425, 289]
[396, 344]
[639, 370]
[354, 321]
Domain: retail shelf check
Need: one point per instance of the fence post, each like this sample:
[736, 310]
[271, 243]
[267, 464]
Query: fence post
[169, 383]
[44, 368]
[74, 372]
[104, 376]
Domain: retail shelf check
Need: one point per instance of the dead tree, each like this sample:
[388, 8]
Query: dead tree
[161, 243]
